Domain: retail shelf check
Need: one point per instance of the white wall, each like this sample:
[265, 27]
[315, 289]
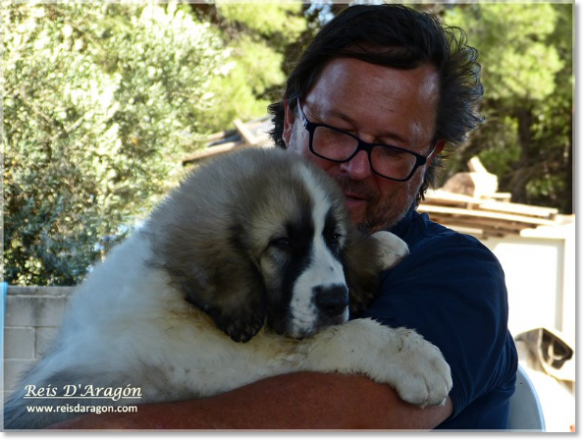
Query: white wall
[540, 268]
[540, 273]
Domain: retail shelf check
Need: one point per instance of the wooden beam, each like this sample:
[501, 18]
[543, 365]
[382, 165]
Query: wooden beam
[477, 214]
[210, 152]
[248, 136]
[534, 211]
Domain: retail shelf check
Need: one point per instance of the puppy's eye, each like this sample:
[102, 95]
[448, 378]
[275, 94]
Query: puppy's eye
[335, 237]
[280, 242]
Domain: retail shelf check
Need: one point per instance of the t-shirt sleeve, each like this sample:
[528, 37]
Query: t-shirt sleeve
[452, 291]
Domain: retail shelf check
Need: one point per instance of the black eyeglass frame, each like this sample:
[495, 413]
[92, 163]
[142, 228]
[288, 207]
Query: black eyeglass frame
[420, 160]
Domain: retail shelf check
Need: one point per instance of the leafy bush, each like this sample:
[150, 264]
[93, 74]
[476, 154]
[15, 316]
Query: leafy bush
[101, 100]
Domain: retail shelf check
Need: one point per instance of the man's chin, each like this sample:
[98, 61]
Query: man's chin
[372, 224]
[357, 209]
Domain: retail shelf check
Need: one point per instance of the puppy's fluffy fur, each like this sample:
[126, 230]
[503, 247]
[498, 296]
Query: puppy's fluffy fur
[249, 269]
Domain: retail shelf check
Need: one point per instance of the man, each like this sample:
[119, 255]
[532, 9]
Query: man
[374, 100]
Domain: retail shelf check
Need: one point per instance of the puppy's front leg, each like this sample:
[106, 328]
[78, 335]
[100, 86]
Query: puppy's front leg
[399, 357]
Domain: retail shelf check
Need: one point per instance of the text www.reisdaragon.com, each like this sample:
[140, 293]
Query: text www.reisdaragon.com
[83, 409]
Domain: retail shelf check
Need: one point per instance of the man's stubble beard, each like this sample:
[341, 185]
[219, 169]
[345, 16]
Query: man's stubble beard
[379, 213]
[379, 222]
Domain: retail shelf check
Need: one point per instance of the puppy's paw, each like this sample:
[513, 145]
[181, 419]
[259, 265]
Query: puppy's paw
[420, 373]
[242, 331]
[399, 357]
[392, 248]
[240, 326]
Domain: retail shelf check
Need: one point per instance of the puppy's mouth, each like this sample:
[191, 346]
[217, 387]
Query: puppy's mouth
[299, 328]
[311, 308]
[323, 323]
[328, 306]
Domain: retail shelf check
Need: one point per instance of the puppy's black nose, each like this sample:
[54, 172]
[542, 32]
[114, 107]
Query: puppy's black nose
[331, 300]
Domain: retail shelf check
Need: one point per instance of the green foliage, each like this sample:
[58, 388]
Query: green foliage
[259, 35]
[526, 58]
[253, 69]
[517, 60]
[277, 20]
[503, 151]
[100, 102]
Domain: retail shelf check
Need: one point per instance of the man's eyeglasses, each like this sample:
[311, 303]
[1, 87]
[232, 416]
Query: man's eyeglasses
[339, 146]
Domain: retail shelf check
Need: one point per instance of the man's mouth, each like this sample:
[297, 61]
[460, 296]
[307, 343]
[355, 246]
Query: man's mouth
[354, 202]
[358, 197]
[355, 197]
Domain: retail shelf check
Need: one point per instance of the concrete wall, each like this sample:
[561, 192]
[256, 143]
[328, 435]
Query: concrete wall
[33, 315]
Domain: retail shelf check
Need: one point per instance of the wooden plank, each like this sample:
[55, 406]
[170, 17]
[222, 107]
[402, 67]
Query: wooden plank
[220, 135]
[248, 136]
[504, 197]
[478, 228]
[447, 197]
[484, 224]
[487, 214]
[209, 152]
[444, 198]
[516, 208]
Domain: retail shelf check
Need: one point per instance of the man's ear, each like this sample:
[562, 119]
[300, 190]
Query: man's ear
[288, 123]
[439, 147]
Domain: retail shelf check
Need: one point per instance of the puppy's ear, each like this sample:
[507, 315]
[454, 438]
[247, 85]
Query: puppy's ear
[361, 267]
[219, 277]
[365, 257]
[235, 298]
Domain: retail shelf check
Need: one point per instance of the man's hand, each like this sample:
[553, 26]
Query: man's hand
[303, 400]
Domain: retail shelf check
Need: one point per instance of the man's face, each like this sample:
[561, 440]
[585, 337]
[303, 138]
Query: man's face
[377, 104]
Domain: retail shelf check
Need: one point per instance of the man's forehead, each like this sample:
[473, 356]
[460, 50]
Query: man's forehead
[426, 74]
[348, 89]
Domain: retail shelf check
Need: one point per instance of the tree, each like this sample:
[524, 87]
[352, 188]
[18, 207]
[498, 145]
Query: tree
[526, 57]
[100, 103]
[260, 36]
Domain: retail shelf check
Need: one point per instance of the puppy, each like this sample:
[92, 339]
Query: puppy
[249, 269]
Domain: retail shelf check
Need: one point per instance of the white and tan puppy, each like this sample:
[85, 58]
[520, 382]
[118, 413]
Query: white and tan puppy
[249, 269]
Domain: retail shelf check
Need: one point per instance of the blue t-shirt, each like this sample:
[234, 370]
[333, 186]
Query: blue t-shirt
[451, 289]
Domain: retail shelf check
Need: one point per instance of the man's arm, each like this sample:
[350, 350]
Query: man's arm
[303, 400]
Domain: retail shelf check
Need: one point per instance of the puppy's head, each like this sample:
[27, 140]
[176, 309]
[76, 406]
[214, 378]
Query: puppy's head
[300, 235]
[273, 245]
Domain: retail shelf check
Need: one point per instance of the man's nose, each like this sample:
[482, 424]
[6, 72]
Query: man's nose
[358, 168]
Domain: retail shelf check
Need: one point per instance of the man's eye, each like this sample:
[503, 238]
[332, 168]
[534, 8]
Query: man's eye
[390, 153]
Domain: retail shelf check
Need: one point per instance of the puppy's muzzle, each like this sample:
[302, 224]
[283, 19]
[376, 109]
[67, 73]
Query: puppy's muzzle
[331, 300]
